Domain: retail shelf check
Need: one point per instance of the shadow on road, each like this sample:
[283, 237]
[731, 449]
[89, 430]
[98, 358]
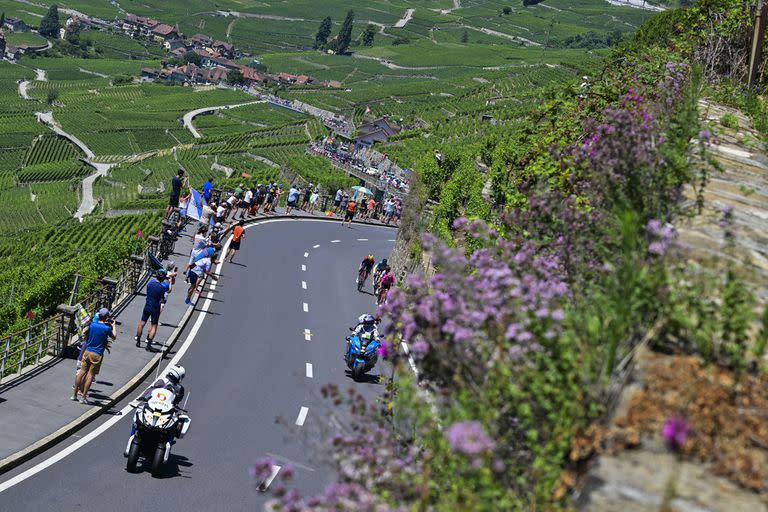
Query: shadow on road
[366, 378]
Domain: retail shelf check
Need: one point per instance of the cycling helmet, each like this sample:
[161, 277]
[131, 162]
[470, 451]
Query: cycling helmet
[368, 320]
[176, 373]
[370, 257]
[161, 273]
[384, 261]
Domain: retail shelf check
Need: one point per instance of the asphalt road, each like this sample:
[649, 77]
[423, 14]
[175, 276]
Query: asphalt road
[247, 379]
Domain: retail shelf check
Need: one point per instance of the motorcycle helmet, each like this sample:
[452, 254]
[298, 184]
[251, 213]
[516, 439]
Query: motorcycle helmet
[176, 373]
[368, 320]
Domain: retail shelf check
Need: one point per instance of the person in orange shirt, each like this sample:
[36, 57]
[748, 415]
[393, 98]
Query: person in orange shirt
[351, 207]
[237, 236]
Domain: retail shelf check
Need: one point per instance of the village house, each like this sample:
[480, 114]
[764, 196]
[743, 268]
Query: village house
[15, 24]
[378, 130]
[175, 44]
[139, 25]
[179, 53]
[200, 41]
[226, 50]
[164, 32]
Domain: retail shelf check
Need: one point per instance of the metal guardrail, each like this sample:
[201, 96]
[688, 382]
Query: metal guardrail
[40, 342]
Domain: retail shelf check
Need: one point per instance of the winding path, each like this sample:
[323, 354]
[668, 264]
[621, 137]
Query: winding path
[40, 76]
[87, 202]
[259, 347]
[189, 116]
[405, 19]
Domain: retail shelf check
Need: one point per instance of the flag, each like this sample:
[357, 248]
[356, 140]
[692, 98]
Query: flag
[195, 205]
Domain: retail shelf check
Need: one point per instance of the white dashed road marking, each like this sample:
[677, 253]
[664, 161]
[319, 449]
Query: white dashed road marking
[362, 239]
[306, 255]
[335, 241]
[316, 246]
[303, 268]
[304, 285]
[302, 416]
[309, 370]
[305, 306]
[307, 335]
[266, 483]
[391, 240]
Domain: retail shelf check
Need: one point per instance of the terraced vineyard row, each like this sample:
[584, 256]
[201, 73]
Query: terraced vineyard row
[55, 171]
[50, 148]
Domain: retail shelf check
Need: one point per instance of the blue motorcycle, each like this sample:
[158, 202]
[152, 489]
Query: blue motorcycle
[361, 354]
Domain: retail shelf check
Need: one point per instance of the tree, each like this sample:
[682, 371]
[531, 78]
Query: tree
[235, 77]
[321, 38]
[2, 19]
[345, 33]
[507, 10]
[53, 95]
[368, 35]
[465, 37]
[50, 25]
[194, 58]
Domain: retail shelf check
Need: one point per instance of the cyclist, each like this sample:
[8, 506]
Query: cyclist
[365, 269]
[386, 282]
[378, 271]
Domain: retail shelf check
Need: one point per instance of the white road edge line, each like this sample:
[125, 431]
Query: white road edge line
[64, 452]
[304, 285]
[266, 483]
[302, 416]
[303, 268]
[309, 370]
[305, 307]
[316, 246]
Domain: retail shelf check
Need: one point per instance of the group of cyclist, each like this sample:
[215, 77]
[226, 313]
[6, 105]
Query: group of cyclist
[383, 277]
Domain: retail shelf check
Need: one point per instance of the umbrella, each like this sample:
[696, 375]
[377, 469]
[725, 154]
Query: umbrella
[362, 190]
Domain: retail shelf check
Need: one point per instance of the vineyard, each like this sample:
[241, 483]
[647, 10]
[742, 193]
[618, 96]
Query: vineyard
[50, 148]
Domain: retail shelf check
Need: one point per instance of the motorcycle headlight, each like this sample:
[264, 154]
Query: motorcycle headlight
[163, 419]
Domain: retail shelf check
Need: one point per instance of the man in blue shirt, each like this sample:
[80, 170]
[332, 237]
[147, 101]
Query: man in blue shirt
[293, 196]
[207, 188]
[99, 334]
[157, 290]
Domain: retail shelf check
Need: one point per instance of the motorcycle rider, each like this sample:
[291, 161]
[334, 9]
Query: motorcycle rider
[366, 324]
[171, 382]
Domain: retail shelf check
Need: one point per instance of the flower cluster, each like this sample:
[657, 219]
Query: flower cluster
[662, 236]
[469, 438]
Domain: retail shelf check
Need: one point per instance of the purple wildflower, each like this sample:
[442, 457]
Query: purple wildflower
[469, 438]
[675, 432]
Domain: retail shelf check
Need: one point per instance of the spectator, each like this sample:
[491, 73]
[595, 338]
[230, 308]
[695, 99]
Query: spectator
[389, 211]
[237, 236]
[307, 195]
[269, 198]
[313, 197]
[293, 197]
[208, 211]
[231, 204]
[350, 213]
[371, 206]
[337, 201]
[158, 289]
[245, 205]
[207, 189]
[202, 268]
[99, 333]
[177, 182]
[221, 212]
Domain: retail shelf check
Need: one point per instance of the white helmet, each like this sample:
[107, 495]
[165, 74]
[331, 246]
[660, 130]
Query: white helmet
[176, 373]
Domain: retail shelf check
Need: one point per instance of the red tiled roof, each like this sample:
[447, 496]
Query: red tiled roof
[163, 29]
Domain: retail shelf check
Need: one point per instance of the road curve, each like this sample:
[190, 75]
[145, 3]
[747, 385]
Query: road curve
[284, 305]
[189, 116]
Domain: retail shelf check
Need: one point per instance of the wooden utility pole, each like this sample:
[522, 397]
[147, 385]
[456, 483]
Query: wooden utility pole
[757, 42]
